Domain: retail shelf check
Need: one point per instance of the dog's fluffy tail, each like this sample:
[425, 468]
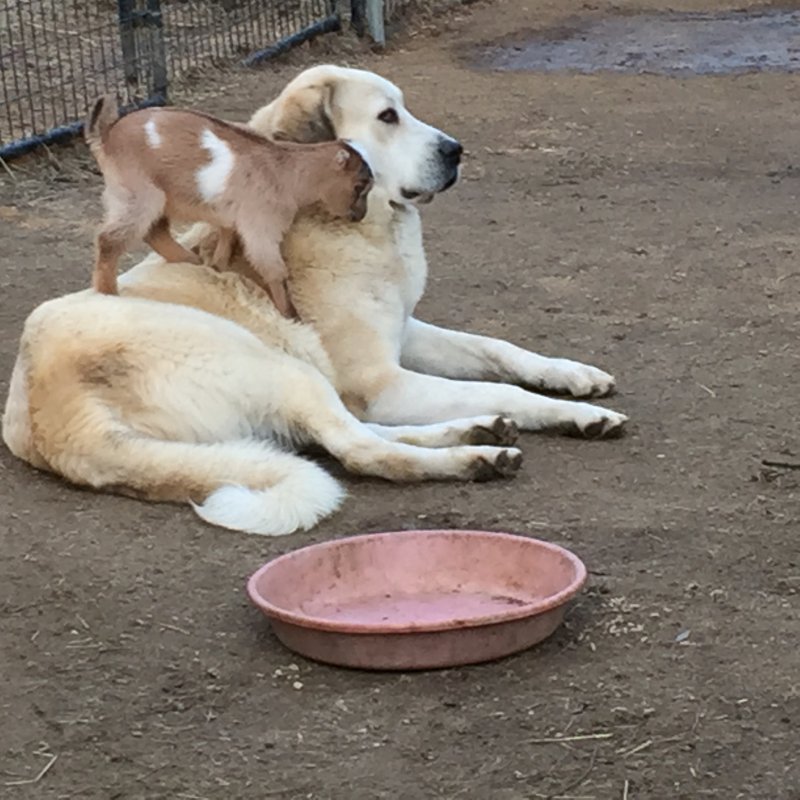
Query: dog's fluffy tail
[245, 485]
[103, 115]
[298, 496]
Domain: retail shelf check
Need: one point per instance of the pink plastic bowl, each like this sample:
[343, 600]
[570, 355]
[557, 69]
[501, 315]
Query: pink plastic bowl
[417, 599]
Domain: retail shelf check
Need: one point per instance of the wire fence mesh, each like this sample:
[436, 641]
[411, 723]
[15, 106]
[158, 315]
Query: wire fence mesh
[56, 56]
[394, 9]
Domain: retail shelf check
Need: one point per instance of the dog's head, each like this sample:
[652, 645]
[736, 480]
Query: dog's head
[409, 159]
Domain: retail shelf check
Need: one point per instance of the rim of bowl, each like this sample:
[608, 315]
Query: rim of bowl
[326, 624]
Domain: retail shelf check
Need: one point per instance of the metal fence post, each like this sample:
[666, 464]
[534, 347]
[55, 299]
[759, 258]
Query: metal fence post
[158, 51]
[375, 21]
[150, 58]
[358, 16]
[127, 37]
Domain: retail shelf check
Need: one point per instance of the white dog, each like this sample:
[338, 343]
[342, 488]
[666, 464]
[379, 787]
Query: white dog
[184, 387]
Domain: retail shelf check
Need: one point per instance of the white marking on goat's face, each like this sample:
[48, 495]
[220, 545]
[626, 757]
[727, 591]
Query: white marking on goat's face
[152, 134]
[213, 177]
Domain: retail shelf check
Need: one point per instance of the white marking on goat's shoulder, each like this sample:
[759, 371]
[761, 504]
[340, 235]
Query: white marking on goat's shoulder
[152, 134]
[213, 177]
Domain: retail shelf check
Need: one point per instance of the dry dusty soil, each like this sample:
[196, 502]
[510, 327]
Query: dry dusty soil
[647, 224]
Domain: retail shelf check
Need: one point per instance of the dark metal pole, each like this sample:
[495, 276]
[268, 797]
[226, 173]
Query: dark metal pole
[358, 16]
[155, 23]
[327, 25]
[127, 38]
[63, 133]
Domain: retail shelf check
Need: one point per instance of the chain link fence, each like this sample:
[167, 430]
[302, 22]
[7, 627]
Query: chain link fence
[56, 56]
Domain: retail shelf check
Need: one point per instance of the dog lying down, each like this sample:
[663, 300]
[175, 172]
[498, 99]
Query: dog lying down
[164, 164]
[186, 386]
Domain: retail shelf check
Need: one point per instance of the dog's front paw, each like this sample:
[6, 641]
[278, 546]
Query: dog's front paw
[576, 379]
[496, 462]
[594, 422]
[496, 431]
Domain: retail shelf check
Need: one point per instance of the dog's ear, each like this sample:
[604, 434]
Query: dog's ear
[302, 115]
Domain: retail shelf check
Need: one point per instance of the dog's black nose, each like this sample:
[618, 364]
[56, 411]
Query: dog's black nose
[451, 150]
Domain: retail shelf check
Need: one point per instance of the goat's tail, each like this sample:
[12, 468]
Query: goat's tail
[103, 115]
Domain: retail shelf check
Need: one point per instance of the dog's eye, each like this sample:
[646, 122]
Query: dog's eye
[389, 116]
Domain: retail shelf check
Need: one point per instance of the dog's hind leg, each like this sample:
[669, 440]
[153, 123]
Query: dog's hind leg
[311, 406]
[490, 429]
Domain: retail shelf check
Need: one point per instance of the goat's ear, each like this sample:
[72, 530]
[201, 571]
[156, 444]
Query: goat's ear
[302, 115]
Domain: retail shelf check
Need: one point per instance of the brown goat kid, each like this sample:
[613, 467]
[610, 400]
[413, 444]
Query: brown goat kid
[165, 164]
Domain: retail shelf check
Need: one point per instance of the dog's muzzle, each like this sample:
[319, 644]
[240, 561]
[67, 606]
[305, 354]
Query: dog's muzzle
[451, 151]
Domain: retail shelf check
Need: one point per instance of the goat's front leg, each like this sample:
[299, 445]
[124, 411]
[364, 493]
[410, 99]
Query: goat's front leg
[265, 257]
[409, 398]
[453, 354]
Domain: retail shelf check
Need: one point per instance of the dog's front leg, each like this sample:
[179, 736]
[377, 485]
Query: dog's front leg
[409, 398]
[453, 354]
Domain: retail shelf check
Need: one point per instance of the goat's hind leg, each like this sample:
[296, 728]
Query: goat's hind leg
[111, 244]
[223, 251]
[129, 217]
[160, 239]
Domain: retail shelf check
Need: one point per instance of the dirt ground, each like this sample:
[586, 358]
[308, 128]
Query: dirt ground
[645, 224]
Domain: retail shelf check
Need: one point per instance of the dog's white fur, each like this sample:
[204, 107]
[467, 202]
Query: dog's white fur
[184, 387]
